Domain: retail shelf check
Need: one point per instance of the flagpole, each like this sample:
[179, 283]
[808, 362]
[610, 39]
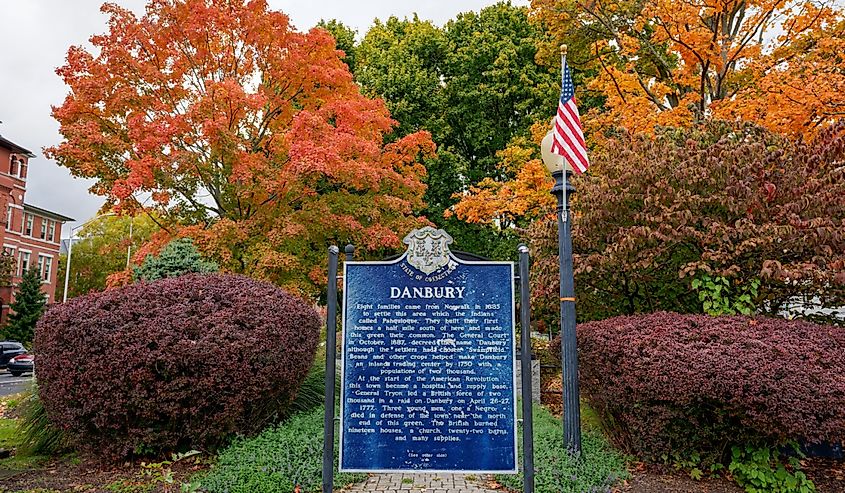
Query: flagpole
[569, 342]
[563, 51]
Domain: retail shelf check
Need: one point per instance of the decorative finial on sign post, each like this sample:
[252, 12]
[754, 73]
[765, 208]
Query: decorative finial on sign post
[563, 50]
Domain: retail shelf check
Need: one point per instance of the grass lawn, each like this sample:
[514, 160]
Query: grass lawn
[8, 430]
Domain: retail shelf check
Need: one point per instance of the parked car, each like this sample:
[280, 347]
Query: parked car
[20, 364]
[8, 350]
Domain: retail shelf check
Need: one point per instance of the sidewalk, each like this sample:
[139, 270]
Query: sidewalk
[428, 483]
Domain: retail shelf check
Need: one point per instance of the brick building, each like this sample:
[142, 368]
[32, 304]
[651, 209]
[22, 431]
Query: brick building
[31, 234]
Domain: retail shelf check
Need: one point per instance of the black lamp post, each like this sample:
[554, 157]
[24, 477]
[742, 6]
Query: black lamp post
[569, 344]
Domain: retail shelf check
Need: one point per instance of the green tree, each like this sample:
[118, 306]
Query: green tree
[26, 309]
[495, 89]
[101, 249]
[401, 61]
[476, 86]
[179, 257]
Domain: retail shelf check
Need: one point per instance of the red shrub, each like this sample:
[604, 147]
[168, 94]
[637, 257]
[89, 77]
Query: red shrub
[669, 384]
[178, 363]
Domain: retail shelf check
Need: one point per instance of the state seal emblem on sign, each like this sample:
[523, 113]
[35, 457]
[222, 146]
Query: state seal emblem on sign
[428, 249]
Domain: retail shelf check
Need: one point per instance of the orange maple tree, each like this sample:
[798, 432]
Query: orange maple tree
[650, 63]
[248, 135]
[799, 88]
[670, 63]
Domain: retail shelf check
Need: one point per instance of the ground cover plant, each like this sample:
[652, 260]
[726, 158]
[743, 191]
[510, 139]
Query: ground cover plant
[278, 460]
[556, 471]
[177, 364]
[714, 390]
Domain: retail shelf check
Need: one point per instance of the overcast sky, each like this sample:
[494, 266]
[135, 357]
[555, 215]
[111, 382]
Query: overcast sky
[37, 33]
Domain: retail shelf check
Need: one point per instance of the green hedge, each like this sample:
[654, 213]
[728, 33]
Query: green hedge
[276, 461]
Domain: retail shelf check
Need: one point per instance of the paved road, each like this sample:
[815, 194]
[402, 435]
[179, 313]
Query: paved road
[12, 385]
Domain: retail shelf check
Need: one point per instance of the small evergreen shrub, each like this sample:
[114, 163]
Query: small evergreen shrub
[26, 309]
[598, 469]
[276, 461]
[177, 258]
[669, 386]
[177, 364]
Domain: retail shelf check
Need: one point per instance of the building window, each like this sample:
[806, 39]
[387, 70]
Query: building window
[10, 252]
[24, 262]
[13, 167]
[51, 231]
[43, 235]
[44, 265]
[9, 218]
[29, 221]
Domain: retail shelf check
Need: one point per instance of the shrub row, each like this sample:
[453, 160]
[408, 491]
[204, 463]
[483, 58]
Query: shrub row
[180, 363]
[669, 385]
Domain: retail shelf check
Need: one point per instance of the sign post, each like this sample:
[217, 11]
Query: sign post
[525, 349]
[331, 343]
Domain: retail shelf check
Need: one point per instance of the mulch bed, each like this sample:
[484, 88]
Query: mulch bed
[63, 475]
[659, 480]
[828, 475]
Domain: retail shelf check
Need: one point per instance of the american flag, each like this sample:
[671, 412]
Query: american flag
[568, 137]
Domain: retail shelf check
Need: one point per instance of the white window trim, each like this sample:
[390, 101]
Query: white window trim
[20, 260]
[14, 254]
[49, 264]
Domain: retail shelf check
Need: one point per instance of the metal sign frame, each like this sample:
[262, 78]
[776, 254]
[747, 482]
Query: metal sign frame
[525, 360]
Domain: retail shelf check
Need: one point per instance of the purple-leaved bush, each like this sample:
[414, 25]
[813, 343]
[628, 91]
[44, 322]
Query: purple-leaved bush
[179, 363]
[667, 385]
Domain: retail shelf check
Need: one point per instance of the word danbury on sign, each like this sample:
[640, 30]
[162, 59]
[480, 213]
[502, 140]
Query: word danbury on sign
[428, 374]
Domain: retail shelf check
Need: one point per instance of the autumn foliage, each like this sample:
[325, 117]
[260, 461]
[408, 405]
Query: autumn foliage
[668, 386]
[178, 364]
[729, 200]
[669, 63]
[249, 133]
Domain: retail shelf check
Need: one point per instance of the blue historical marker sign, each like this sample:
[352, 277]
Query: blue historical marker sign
[428, 373]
